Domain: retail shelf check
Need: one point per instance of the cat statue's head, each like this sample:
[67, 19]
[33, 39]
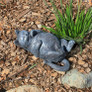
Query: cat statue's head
[22, 38]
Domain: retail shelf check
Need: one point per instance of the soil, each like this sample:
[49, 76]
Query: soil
[18, 67]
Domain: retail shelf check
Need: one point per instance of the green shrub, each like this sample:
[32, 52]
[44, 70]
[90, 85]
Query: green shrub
[68, 27]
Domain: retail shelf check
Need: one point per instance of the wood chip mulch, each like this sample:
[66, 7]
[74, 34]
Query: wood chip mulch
[15, 62]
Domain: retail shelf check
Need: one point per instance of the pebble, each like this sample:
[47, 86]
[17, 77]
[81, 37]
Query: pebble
[39, 26]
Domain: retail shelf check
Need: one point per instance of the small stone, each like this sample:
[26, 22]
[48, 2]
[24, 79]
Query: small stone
[88, 70]
[22, 20]
[39, 26]
[80, 62]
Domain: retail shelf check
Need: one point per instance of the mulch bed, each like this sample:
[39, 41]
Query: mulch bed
[15, 62]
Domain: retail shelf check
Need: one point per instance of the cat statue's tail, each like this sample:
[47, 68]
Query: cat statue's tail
[65, 67]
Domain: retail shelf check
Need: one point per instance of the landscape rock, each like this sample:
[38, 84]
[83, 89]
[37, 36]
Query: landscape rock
[74, 78]
[26, 88]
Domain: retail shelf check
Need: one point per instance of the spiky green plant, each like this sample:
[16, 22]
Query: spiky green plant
[68, 27]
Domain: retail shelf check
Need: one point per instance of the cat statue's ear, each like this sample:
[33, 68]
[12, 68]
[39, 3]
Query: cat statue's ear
[34, 32]
[17, 32]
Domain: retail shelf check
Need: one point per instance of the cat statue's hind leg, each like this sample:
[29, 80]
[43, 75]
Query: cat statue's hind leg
[67, 45]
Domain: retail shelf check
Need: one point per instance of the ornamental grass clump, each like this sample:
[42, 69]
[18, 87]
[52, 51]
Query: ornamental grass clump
[68, 27]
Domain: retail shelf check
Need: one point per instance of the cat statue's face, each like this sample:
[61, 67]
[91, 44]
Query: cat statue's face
[22, 38]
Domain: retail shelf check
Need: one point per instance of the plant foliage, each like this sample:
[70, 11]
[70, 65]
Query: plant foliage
[68, 27]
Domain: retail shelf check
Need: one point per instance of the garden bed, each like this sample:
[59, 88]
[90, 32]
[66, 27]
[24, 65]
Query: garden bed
[15, 62]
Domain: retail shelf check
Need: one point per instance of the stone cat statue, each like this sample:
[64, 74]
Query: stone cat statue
[46, 46]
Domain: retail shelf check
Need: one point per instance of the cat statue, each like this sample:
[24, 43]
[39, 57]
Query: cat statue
[46, 46]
